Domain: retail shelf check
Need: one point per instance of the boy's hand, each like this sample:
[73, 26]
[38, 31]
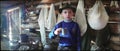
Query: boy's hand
[57, 31]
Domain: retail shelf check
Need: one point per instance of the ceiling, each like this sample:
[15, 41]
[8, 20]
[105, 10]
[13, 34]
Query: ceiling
[4, 4]
[9, 3]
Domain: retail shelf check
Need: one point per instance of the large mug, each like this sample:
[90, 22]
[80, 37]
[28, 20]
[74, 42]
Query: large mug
[64, 31]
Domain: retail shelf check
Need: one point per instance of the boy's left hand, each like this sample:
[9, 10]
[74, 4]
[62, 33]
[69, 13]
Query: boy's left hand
[57, 31]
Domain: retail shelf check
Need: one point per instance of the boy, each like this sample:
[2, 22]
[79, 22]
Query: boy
[67, 30]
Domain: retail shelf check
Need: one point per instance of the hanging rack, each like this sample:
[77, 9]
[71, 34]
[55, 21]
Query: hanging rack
[57, 3]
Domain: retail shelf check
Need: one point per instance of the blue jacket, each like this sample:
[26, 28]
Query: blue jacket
[72, 36]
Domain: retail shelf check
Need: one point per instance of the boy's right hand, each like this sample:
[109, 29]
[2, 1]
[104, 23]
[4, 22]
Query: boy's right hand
[57, 31]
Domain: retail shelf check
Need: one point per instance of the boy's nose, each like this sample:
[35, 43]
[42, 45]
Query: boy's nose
[67, 14]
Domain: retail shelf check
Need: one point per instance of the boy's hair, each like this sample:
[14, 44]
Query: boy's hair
[67, 6]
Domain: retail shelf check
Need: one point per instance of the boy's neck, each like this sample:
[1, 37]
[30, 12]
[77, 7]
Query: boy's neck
[67, 20]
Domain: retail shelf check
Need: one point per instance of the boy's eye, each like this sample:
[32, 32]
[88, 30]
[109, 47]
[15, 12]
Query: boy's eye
[65, 12]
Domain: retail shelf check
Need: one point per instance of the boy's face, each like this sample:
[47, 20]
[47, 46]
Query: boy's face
[67, 14]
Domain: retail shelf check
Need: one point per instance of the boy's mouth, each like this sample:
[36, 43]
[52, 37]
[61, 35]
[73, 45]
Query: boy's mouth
[68, 17]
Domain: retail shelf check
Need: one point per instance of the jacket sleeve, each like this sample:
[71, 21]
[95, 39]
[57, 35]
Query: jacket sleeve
[78, 39]
[51, 34]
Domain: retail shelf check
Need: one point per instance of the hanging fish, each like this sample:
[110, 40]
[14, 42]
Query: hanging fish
[51, 18]
[97, 16]
[45, 13]
[46, 16]
[80, 17]
[114, 3]
[41, 23]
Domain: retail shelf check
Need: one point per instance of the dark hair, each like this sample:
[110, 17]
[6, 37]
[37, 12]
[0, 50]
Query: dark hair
[67, 6]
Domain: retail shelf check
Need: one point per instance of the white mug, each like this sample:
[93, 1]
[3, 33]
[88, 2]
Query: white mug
[64, 30]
